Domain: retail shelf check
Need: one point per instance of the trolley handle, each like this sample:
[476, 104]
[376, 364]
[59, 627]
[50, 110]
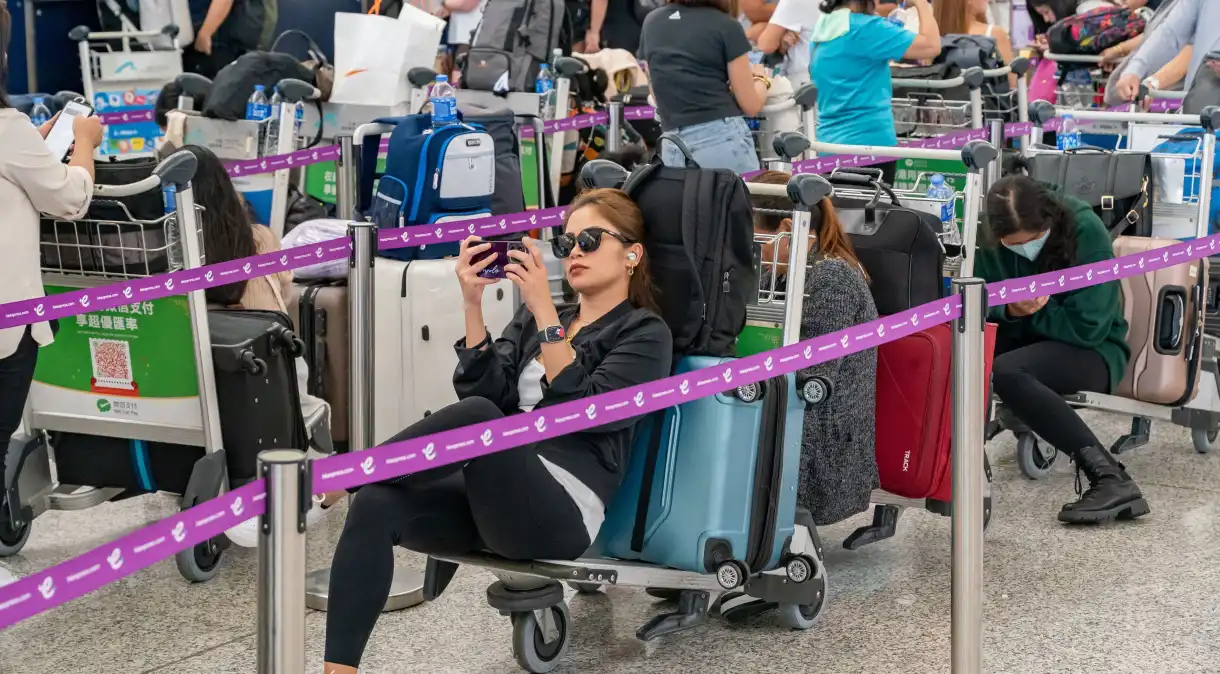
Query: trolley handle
[1041, 112]
[970, 77]
[82, 33]
[1072, 58]
[177, 169]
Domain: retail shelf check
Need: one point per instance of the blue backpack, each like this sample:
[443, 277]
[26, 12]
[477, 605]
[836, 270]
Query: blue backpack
[431, 177]
[1188, 142]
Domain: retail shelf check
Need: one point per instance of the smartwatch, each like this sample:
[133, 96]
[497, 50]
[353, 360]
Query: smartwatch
[552, 334]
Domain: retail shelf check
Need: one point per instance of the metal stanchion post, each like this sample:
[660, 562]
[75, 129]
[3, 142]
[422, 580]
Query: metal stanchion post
[345, 179]
[281, 562]
[614, 129]
[407, 588]
[995, 170]
[969, 392]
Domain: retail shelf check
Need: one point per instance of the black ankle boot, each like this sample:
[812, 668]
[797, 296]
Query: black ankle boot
[1112, 494]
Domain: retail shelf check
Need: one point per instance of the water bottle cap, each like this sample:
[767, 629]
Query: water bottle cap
[938, 179]
[259, 87]
[442, 78]
[544, 66]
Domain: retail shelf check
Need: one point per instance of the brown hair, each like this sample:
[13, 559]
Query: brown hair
[6, 34]
[832, 241]
[953, 16]
[621, 212]
[730, 7]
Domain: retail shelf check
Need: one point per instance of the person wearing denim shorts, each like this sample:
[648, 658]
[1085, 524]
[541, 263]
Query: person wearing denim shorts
[703, 82]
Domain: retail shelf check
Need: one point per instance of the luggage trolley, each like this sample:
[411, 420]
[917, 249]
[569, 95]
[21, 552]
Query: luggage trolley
[1181, 214]
[925, 108]
[140, 372]
[126, 78]
[959, 239]
[531, 592]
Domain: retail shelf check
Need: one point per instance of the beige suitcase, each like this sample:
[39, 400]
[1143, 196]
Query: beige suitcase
[1164, 316]
[319, 310]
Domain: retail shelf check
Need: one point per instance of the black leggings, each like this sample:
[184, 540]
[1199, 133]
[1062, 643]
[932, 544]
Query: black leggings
[1031, 380]
[16, 373]
[507, 502]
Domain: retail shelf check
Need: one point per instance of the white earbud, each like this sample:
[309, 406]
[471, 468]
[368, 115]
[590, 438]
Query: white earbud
[632, 256]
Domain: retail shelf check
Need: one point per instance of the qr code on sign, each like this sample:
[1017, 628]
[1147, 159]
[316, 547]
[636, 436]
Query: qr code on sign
[111, 362]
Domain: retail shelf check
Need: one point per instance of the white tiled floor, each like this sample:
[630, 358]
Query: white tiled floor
[1140, 597]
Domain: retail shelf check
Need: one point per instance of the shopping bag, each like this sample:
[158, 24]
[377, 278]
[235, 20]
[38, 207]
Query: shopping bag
[1045, 79]
[373, 54]
[157, 14]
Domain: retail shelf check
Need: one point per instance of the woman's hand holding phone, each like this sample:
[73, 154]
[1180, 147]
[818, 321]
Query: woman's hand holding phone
[528, 273]
[468, 267]
[87, 131]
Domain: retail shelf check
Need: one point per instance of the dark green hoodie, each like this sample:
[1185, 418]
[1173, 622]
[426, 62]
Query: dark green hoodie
[1091, 317]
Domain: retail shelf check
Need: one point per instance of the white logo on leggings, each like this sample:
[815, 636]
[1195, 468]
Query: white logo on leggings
[430, 452]
[368, 465]
[486, 438]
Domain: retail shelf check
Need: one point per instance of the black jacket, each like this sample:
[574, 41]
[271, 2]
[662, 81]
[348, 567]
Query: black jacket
[626, 347]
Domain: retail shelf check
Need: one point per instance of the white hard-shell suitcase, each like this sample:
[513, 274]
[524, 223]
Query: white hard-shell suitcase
[418, 317]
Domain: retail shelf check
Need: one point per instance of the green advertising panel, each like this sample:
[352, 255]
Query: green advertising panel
[321, 180]
[136, 362]
[529, 173]
[759, 336]
[914, 174]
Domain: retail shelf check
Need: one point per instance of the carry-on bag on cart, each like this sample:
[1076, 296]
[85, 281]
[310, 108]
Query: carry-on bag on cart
[899, 247]
[1118, 185]
[1163, 311]
[501, 125]
[419, 317]
[915, 412]
[254, 354]
[321, 320]
[513, 40]
[1177, 180]
[125, 235]
[432, 176]
[1092, 32]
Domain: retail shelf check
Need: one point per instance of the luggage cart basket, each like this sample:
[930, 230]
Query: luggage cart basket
[959, 238]
[140, 372]
[925, 108]
[531, 592]
[1184, 213]
[123, 72]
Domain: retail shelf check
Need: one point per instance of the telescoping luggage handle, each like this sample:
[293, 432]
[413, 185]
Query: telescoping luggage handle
[177, 170]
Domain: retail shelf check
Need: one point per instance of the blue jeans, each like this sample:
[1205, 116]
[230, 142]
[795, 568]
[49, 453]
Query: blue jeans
[722, 143]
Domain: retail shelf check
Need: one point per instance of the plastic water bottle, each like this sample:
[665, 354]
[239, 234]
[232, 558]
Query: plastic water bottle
[556, 54]
[942, 192]
[545, 82]
[40, 114]
[271, 144]
[173, 237]
[1069, 134]
[1078, 88]
[257, 107]
[898, 16]
[299, 118]
[444, 103]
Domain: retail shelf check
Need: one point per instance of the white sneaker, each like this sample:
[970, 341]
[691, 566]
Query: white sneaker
[246, 534]
[7, 577]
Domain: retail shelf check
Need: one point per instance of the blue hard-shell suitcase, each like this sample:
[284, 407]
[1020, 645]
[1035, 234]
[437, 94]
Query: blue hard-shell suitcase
[723, 484]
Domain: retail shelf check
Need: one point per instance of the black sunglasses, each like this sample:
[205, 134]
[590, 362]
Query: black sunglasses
[589, 240]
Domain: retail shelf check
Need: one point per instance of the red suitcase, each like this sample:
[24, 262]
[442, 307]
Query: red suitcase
[915, 412]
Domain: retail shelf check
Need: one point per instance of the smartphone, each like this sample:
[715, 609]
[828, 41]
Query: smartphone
[499, 249]
[59, 140]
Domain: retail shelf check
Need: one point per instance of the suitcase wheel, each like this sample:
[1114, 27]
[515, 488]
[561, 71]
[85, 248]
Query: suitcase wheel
[732, 574]
[750, 392]
[1035, 459]
[816, 390]
[253, 364]
[1203, 439]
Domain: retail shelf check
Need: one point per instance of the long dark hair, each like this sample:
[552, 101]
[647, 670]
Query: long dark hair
[1061, 8]
[6, 34]
[832, 241]
[228, 232]
[1019, 204]
[619, 210]
[729, 7]
[857, 6]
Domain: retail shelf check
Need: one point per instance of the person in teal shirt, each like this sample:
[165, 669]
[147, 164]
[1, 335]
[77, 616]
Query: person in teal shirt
[850, 65]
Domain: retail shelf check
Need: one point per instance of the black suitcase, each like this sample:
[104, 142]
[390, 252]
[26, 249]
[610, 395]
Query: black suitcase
[900, 248]
[120, 236]
[254, 356]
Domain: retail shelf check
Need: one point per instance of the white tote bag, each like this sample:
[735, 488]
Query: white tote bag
[157, 14]
[374, 53]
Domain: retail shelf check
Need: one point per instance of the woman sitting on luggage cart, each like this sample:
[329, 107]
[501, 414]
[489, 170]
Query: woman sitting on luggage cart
[850, 66]
[545, 500]
[1053, 346]
[838, 456]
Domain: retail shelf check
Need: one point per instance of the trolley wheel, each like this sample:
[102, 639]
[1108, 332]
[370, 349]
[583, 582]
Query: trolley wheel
[535, 650]
[200, 563]
[802, 616]
[1203, 440]
[1034, 460]
[731, 574]
[585, 588]
[12, 540]
[799, 569]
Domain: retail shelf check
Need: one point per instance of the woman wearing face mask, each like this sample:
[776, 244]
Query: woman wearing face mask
[1048, 347]
[542, 500]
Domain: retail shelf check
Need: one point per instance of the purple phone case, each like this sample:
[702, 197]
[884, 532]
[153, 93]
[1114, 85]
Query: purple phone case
[500, 250]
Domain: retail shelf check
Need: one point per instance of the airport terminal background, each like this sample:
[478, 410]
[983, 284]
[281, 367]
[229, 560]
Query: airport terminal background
[1139, 597]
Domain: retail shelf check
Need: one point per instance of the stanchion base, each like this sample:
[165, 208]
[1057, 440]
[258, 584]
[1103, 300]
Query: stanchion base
[406, 591]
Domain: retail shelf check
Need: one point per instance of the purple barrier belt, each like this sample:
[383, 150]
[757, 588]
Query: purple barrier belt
[126, 117]
[66, 581]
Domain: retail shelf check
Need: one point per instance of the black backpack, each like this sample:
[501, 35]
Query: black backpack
[700, 241]
[235, 82]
